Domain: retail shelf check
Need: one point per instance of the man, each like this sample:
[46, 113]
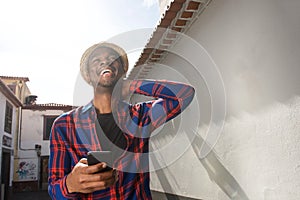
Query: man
[110, 123]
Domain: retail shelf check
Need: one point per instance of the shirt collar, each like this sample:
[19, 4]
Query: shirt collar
[88, 107]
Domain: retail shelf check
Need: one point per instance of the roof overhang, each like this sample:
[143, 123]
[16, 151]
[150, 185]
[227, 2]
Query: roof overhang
[179, 16]
[9, 94]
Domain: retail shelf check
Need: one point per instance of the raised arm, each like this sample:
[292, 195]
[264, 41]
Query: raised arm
[172, 98]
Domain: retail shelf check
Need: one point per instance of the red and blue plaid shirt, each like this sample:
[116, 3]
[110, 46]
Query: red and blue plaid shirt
[74, 134]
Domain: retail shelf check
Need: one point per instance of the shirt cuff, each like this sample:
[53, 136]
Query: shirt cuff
[65, 191]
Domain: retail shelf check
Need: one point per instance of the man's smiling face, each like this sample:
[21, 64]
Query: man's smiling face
[105, 67]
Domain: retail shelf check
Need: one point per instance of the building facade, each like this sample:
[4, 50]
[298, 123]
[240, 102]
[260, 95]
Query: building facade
[243, 59]
[24, 132]
[9, 106]
[31, 162]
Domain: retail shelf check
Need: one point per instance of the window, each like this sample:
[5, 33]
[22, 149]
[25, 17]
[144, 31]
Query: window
[48, 121]
[8, 117]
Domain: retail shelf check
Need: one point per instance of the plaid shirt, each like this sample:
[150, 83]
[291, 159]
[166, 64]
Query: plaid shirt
[74, 134]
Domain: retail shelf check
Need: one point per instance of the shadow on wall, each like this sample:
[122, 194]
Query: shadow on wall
[216, 170]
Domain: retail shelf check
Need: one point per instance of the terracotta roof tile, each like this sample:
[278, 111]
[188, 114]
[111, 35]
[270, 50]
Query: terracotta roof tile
[187, 14]
[180, 22]
[193, 5]
[170, 15]
[176, 6]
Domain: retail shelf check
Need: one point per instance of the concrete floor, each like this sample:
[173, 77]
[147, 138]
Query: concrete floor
[40, 195]
[43, 195]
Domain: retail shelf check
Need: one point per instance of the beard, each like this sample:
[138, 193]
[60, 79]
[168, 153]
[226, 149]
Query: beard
[107, 83]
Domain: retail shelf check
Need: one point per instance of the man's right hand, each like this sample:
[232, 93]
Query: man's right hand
[87, 179]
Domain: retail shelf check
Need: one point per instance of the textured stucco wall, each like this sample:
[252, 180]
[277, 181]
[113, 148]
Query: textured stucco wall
[262, 150]
[255, 46]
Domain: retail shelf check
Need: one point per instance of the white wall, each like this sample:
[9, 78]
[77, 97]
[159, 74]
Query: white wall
[174, 165]
[31, 133]
[32, 128]
[255, 45]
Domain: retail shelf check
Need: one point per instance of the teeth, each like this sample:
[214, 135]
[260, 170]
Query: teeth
[106, 71]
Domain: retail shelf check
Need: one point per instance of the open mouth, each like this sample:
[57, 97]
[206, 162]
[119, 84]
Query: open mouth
[106, 71]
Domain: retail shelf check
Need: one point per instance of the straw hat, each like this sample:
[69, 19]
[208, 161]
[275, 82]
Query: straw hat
[90, 50]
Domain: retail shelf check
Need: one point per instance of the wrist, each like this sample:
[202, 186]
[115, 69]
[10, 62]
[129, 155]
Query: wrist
[69, 184]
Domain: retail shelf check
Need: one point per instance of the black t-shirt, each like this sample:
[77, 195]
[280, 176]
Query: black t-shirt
[109, 134]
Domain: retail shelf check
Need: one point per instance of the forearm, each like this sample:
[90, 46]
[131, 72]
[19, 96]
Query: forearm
[181, 92]
[173, 98]
[59, 161]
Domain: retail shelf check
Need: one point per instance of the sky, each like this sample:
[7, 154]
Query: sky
[44, 40]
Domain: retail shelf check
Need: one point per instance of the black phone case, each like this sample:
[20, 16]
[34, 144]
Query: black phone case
[94, 157]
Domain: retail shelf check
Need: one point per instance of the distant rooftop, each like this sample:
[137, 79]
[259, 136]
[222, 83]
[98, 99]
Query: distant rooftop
[15, 78]
[49, 106]
[9, 94]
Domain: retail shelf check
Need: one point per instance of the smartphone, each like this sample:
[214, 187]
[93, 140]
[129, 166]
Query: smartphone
[94, 157]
